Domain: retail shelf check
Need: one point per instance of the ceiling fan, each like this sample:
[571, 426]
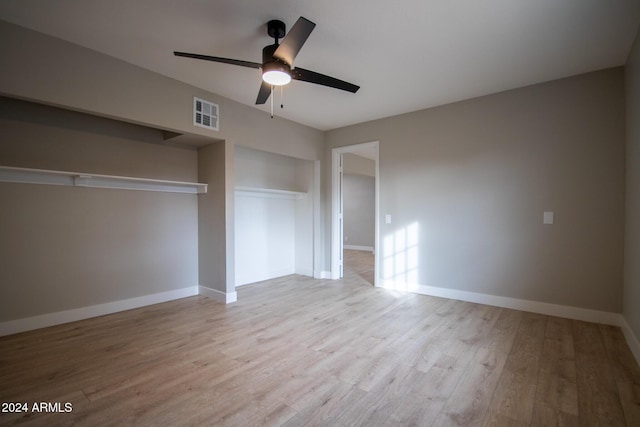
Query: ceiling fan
[277, 60]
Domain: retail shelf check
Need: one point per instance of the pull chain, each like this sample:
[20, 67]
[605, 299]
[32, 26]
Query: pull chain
[272, 101]
[273, 96]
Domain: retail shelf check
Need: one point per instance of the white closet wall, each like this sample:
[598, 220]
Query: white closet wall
[273, 216]
[265, 238]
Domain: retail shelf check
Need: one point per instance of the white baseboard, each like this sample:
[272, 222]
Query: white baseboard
[322, 274]
[632, 339]
[223, 297]
[358, 248]
[585, 314]
[66, 316]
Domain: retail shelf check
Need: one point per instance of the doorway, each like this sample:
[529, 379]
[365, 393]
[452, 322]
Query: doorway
[353, 254]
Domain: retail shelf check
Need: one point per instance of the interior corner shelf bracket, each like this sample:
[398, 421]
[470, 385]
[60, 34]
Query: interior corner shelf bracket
[77, 179]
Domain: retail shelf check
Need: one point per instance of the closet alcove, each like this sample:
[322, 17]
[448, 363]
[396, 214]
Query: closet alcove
[274, 197]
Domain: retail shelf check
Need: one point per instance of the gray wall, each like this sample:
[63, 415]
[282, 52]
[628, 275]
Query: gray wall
[631, 292]
[216, 218]
[255, 168]
[467, 185]
[359, 200]
[359, 210]
[354, 164]
[68, 247]
[305, 216]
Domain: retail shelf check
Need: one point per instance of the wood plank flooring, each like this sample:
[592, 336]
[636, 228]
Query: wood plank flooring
[296, 351]
[358, 265]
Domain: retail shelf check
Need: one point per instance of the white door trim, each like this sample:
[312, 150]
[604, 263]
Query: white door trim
[336, 195]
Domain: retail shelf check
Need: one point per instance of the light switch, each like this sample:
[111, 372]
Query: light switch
[547, 218]
[387, 219]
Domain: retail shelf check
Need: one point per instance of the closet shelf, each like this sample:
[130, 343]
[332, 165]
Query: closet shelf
[268, 192]
[78, 179]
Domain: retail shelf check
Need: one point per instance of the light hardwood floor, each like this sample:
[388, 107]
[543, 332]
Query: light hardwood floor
[301, 352]
[358, 265]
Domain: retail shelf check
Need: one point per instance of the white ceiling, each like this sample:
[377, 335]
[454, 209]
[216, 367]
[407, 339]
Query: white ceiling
[405, 55]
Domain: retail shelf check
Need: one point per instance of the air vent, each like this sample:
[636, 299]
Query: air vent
[205, 114]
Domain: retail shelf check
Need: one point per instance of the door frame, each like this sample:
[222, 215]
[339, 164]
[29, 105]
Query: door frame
[337, 232]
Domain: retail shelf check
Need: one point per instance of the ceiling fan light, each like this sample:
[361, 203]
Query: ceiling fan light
[276, 74]
[276, 78]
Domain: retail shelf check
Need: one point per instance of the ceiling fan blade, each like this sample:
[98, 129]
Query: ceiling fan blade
[320, 79]
[293, 41]
[263, 93]
[218, 59]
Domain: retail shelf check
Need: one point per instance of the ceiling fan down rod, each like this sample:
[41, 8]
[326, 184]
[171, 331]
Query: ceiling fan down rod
[276, 29]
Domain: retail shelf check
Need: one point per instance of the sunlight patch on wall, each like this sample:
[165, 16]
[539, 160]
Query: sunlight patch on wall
[400, 265]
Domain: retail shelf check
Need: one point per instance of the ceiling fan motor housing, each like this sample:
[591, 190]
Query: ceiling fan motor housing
[268, 58]
[276, 66]
[274, 70]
